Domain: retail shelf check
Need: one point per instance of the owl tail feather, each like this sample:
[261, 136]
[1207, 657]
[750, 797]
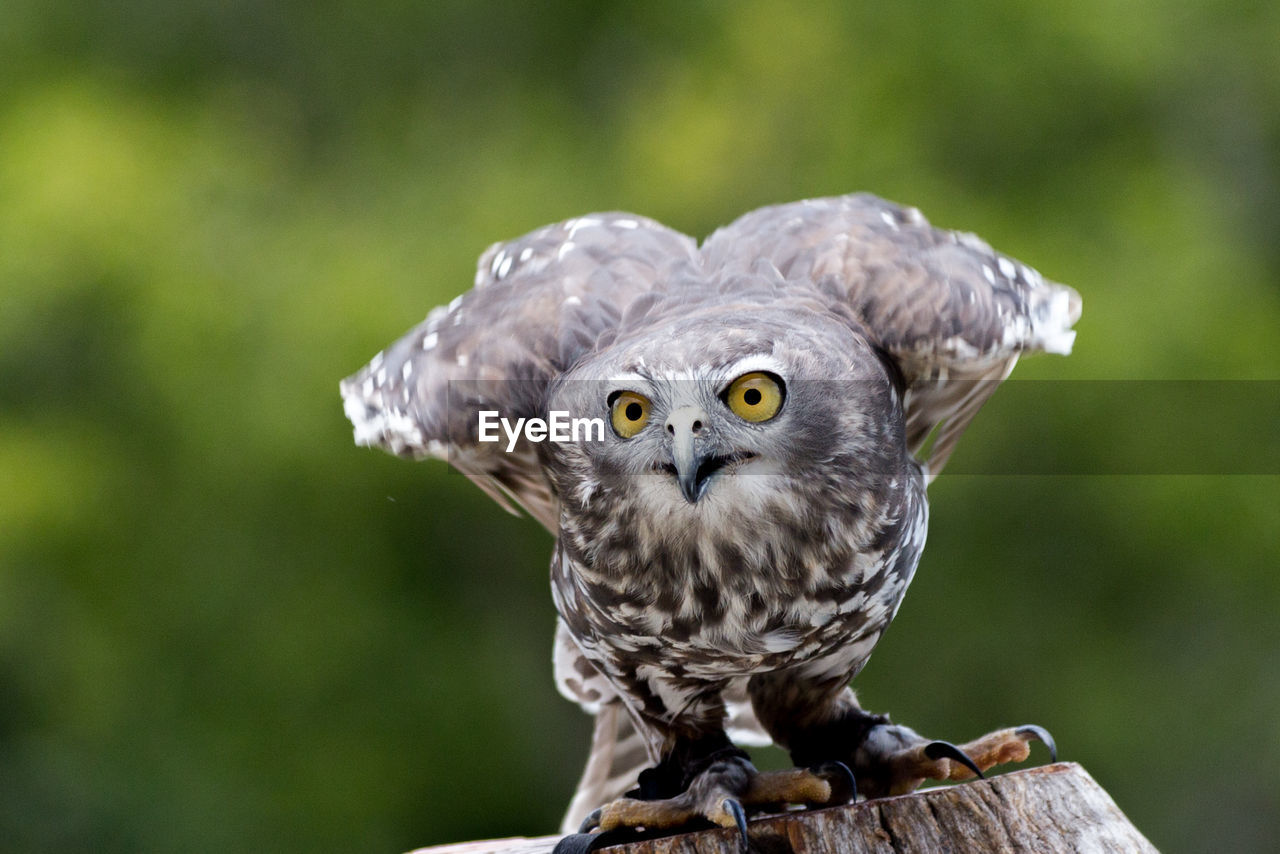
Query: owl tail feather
[618, 755]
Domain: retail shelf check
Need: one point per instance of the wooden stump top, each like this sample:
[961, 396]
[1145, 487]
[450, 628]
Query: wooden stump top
[1054, 808]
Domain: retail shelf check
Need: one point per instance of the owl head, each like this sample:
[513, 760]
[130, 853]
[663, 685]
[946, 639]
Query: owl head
[695, 409]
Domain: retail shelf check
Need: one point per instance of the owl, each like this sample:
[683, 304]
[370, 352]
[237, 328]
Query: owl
[731, 444]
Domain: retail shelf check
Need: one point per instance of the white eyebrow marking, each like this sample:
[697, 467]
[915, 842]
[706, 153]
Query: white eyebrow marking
[627, 378]
[755, 362]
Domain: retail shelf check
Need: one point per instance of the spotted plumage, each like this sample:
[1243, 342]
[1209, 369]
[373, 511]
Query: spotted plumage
[718, 572]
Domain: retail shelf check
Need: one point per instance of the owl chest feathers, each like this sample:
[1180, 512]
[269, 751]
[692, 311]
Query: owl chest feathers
[766, 574]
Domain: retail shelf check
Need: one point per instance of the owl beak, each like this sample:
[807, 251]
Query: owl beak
[692, 482]
[692, 468]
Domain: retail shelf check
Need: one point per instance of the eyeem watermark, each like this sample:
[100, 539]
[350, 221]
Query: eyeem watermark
[558, 427]
[1167, 427]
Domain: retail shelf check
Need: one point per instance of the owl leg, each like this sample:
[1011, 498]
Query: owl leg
[886, 758]
[721, 789]
[713, 792]
[894, 760]
[722, 794]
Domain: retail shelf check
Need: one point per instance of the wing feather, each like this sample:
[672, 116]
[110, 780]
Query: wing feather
[539, 303]
[952, 313]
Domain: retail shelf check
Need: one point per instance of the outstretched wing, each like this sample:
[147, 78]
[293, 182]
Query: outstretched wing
[953, 313]
[538, 304]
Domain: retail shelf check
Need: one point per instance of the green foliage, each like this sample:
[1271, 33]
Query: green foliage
[223, 627]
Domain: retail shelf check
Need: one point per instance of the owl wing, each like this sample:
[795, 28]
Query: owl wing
[538, 304]
[951, 312]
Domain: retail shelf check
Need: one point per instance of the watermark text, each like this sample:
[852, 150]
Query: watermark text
[557, 427]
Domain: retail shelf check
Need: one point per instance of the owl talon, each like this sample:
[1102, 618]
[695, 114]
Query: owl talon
[712, 796]
[844, 786]
[574, 843]
[723, 794]
[946, 750]
[591, 822]
[1040, 734]
[894, 760]
[578, 843]
[1005, 745]
[734, 808]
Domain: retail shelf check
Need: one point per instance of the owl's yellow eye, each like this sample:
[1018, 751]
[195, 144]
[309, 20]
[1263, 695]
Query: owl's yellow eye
[629, 413]
[755, 397]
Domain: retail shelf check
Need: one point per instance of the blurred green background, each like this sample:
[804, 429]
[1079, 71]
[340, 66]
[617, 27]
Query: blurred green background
[223, 627]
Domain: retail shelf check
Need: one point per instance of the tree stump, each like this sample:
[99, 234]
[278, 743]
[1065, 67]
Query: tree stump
[1055, 808]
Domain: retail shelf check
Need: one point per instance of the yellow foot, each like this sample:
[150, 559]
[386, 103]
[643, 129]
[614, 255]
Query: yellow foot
[722, 794]
[901, 769]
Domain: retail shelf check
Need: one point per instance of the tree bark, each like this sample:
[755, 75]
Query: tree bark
[1055, 808]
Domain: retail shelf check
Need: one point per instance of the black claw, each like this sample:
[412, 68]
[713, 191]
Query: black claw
[733, 808]
[1042, 734]
[947, 750]
[844, 787]
[575, 843]
[591, 822]
[585, 843]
